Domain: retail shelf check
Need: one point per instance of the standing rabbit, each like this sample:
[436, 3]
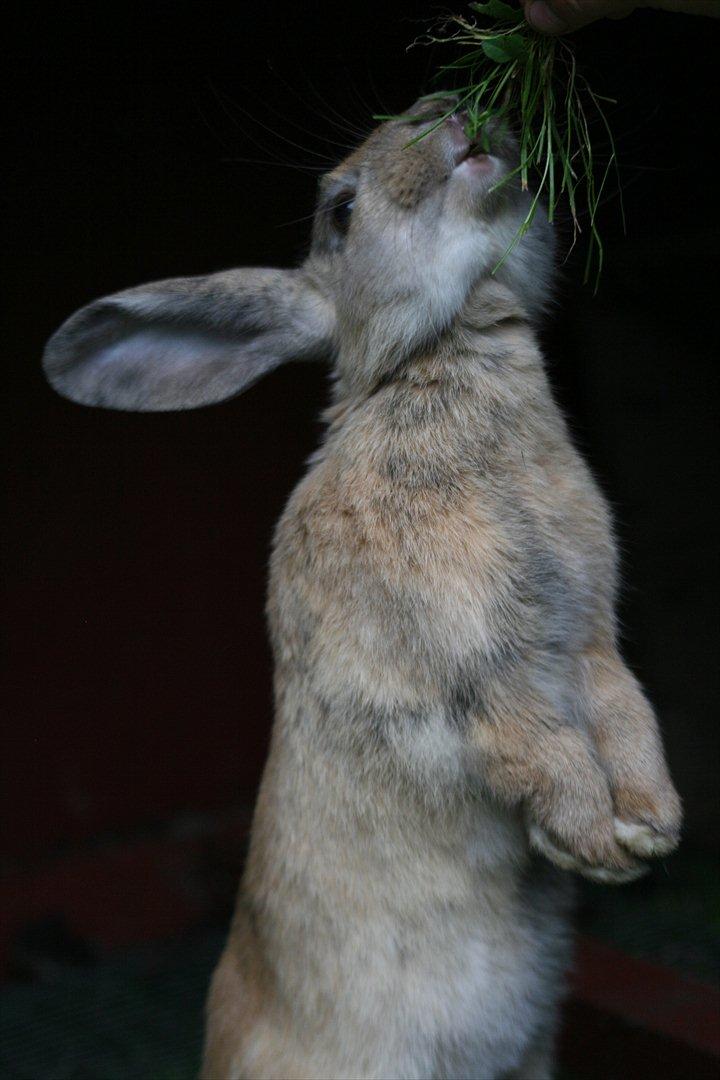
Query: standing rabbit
[452, 713]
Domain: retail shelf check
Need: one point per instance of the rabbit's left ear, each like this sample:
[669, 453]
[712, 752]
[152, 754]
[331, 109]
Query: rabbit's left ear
[186, 342]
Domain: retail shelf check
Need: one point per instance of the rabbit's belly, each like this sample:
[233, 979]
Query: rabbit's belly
[438, 948]
[463, 997]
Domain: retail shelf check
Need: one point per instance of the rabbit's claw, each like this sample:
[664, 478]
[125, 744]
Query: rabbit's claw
[643, 840]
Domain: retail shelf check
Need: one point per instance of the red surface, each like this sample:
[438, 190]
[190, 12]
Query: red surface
[122, 893]
[648, 996]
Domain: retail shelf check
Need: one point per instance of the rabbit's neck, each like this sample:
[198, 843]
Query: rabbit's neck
[492, 323]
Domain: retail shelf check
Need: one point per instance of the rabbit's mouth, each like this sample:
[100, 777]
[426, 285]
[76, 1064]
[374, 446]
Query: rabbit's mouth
[475, 161]
[473, 158]
[468, 154]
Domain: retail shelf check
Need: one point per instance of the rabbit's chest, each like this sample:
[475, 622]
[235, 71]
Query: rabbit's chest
[518, 550]
[529, 538]
[428, 581]
[514, 572]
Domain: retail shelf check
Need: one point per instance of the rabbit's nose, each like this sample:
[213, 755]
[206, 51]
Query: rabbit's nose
[456, 126]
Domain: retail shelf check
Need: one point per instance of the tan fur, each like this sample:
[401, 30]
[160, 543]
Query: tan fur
[450, 702]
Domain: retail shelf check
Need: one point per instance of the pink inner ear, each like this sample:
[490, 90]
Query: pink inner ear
[160, 368]
[167, 367]
[159, 352]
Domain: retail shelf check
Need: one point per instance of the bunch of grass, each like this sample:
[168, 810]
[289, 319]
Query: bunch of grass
[529, 81]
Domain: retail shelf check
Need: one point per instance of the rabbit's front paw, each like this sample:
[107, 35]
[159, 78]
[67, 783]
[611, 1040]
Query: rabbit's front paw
[575, 829]
[648, 825]
[620, 870]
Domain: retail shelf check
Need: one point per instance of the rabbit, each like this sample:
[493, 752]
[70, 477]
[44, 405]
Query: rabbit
[454, 727]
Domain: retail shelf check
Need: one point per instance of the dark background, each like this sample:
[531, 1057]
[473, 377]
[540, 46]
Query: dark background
[162, 139]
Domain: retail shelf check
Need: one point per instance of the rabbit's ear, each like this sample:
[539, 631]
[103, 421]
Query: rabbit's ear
[186, 342]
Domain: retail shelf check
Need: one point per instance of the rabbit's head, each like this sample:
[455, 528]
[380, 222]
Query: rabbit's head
[406, 232]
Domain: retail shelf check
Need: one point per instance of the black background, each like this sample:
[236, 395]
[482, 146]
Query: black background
[160, 139]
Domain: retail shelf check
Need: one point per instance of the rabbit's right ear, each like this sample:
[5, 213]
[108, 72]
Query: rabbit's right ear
[186, 342]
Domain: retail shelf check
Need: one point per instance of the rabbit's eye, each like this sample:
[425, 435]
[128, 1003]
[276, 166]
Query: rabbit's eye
[341, 211]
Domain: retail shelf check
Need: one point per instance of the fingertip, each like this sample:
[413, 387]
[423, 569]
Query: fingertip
[542, 17]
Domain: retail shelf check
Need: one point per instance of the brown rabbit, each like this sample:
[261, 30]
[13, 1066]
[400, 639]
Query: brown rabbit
[450, 702]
